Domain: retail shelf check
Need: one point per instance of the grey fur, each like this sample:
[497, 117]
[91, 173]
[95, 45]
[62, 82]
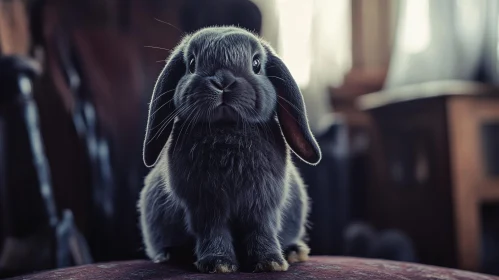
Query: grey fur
[223, 178]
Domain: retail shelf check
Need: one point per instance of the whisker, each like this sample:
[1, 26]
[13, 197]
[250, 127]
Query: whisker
[294, 106]
[167, 23]
[190, 107]
[287, 111]
[170, 118]
[277, 78]
[165, 103]
[167, 118]
[157, 48]
[184, 109]
[187, 131]
[163, 93]
[163, 124]
[157, 110]
[181, 129]
[197, 119]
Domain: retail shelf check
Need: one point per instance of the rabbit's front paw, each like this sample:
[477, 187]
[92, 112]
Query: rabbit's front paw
[271, 262]
[161, 258]
[297, 252]
[216, 264]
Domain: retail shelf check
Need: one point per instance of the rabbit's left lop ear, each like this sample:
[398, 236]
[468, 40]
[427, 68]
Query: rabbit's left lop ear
[162, 108]
[291, 111]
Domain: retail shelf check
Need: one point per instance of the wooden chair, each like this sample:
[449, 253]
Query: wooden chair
[435, 162]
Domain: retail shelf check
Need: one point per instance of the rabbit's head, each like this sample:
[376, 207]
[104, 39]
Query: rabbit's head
[224, 79]
[227, 74]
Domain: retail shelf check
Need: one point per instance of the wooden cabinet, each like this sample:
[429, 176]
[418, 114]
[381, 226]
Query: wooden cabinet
[434, 162]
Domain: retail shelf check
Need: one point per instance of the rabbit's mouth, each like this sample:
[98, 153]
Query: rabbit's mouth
[224, 112]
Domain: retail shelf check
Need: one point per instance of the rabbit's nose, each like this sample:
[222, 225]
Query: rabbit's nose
[223, 86]
[223, 80]
[216, 84]
[228, 83]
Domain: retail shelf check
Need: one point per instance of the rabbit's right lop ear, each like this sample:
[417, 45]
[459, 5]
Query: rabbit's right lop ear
[291, 112]
[162, 107]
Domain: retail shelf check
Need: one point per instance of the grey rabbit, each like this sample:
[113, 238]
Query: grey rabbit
[224, 116]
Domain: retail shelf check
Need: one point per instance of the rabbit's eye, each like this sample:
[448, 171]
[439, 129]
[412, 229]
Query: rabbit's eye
[192, 65]
[257, 65]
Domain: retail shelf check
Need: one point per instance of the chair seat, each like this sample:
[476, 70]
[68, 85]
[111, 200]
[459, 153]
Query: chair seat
[315, 268]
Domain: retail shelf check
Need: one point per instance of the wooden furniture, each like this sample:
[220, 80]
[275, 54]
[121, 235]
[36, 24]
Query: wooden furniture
[435, 161]
[14, 30]
[315, 268]
[34, 235]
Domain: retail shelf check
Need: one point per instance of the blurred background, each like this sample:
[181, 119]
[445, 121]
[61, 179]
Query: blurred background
[401, 95]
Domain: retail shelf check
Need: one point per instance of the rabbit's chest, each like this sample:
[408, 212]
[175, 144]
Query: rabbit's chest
[228, 164]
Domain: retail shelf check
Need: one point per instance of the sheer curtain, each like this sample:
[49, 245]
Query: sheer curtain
[313, 37]
[444, 40]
